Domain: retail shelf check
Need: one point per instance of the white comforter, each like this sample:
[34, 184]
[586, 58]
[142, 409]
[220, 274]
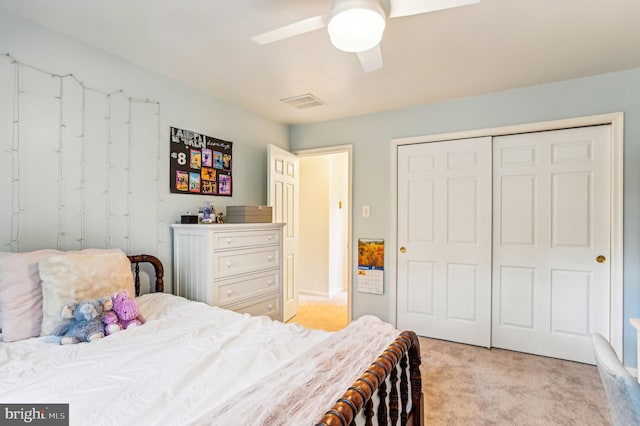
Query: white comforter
[186, 365]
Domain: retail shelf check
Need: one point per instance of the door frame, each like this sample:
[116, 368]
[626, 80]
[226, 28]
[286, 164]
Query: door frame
[616, 120]
[348, 149]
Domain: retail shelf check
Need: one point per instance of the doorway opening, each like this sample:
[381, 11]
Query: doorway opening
[324, 256]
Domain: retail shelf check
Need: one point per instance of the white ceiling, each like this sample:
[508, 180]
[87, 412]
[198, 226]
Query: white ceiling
[490, 46]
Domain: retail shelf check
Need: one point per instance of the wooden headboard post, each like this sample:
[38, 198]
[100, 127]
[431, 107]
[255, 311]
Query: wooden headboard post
[157, 266]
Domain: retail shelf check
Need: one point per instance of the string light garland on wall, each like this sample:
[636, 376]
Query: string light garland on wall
[58, 152]
[157, 181]
[83, 167]
[128, 169]
[63, 230]
[15, 162]
[107, 171]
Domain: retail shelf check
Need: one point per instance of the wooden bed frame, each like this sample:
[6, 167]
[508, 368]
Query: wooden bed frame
[157, 266]
[400, 362]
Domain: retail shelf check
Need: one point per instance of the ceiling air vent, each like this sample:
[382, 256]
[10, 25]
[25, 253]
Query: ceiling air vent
[303, 101]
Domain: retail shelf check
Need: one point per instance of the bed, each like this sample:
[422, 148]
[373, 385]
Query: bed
[191, 363]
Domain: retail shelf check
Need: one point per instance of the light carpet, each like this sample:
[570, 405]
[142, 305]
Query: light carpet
[469, 385]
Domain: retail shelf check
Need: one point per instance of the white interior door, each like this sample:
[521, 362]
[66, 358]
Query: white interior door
[551, 222]
[282, 193]
[444, 238]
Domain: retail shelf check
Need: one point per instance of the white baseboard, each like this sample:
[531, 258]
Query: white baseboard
[319, 293]
[632, 371]
[313, 293]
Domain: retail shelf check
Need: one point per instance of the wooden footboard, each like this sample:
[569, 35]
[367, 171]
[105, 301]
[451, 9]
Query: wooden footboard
[405, 349]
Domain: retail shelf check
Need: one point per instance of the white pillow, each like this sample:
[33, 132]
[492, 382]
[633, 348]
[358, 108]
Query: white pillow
[76, 276]
[21, 294]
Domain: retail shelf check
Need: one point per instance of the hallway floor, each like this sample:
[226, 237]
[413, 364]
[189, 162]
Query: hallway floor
[321, 313]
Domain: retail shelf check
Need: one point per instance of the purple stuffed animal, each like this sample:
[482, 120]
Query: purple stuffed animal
[124, 315]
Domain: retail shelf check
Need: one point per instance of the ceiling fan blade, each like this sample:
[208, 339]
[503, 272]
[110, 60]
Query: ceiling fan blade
[297, 28]
[371, 60]
[415, 7]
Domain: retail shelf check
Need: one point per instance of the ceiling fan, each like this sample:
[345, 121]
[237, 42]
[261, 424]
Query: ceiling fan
[357, 25]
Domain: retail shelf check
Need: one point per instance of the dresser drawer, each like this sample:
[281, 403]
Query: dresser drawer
[239, 239]
[235, 262]
[247, 286]
[268, 306]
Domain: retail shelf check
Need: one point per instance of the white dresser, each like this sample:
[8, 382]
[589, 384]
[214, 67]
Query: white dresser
[234, 266]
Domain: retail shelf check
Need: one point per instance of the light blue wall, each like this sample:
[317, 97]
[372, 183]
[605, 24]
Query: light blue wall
[371, 136]
[180, 106]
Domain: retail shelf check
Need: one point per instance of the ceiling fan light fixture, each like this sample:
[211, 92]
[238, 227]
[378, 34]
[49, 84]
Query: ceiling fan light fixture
[356, 25]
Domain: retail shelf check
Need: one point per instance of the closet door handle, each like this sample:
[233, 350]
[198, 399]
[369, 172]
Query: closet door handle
[403, 250]
[601, 259]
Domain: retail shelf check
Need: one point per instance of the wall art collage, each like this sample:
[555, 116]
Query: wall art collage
[200, 164]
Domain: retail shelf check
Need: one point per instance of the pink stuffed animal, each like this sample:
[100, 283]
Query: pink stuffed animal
[124, 315]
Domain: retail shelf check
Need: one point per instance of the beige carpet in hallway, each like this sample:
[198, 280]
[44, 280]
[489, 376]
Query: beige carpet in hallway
[467, 385]
[322, 313]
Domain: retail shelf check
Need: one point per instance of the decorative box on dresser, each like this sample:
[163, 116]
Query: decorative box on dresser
[234, 266]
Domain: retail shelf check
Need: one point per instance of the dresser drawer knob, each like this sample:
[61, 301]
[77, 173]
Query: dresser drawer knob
[269, 282]
[228, 264]
[229, 292]
[270, 307]
[228, 240]
[270, 258]
[270, 237]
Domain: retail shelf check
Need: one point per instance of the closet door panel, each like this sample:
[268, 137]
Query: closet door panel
[551, 221]
[444, 237]
[421, 216]
[517, 296]
[420, 286]
[518, 227]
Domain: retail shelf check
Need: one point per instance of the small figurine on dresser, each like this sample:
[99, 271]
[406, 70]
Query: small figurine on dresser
[219, 218]
[208, 213]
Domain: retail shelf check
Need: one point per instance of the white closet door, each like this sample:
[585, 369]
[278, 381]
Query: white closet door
[444, 238]
[551, 222]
